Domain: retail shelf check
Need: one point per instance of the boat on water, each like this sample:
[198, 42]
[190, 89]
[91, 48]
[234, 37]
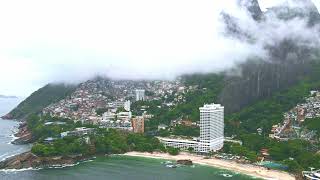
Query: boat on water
[167, 162]
[227, 175]
[171, 166]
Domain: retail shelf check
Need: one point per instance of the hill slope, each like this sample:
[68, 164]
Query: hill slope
[40, 99]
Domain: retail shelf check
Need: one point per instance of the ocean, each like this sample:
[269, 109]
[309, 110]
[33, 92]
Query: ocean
[7, 129]
[102, 168]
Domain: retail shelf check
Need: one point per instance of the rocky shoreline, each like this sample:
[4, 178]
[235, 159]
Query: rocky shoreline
[24, 136]
[7, 116]
[29, 160]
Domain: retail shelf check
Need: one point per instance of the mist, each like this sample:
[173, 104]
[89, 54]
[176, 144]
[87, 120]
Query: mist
[73, 41]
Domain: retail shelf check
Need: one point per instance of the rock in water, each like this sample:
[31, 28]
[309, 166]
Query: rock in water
[29, 160]
[185, 162]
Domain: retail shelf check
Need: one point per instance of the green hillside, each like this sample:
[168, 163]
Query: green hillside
[269, 111]
[40, 99]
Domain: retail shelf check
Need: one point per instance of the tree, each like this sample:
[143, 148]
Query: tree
[100, 111]
[173, 151]
[186, 131]
[293, 166]
[191, 149]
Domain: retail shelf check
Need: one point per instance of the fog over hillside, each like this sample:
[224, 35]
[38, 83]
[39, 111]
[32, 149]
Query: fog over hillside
[135, 40]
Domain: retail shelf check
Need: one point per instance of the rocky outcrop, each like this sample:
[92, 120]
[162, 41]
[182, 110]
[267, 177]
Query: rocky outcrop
[7, 116]
[29, 160]
[301, 9]
[186, 162]
[24, 135]
[289, 59]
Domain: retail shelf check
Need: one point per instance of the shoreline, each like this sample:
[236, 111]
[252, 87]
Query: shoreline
[28, 160]
[59, 162]
[246, 169]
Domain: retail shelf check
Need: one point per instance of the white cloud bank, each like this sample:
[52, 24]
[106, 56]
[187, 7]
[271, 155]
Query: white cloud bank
[44, 41]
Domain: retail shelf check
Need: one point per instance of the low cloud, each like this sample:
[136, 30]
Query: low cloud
[71, 41]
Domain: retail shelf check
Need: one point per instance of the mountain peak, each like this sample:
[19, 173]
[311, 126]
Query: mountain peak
[304, 9]
[252, 7]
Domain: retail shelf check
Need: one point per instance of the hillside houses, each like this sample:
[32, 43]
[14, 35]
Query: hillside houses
[292, 125]
[107, 103]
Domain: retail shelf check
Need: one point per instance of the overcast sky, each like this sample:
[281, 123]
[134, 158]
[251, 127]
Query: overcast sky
[51, 41]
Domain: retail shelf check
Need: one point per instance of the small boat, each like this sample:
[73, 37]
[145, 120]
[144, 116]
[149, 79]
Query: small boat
[166, 162]
[227, 175]
[171, 166]
[311, 175]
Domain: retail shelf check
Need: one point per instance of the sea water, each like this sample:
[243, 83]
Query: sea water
[124, 168]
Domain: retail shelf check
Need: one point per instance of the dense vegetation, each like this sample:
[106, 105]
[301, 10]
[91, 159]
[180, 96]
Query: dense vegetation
[40, 131]
[209, 88]
[296, 154]
[269, 111]
[102, 142]
[65, 146]
[40, 99]
[182, 130]
[313, 124]
[239, 150]
[173, 151]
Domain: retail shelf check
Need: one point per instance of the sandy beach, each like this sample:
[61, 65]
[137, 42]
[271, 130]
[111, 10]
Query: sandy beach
[247, 169]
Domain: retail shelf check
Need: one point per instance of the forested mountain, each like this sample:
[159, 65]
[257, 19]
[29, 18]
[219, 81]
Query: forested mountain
[288, 59]
[40, 99]
[269, 111]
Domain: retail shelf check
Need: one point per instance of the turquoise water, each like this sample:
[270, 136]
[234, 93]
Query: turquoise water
[274, 165]
[103, 168]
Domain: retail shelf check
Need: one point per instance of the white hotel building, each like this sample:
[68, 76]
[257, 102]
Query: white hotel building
[211, 131]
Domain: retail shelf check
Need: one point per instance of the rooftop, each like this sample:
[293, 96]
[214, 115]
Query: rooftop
[211, 106]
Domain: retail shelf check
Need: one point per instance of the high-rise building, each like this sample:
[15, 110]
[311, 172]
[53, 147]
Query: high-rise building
[140, 94]
[211, 127]
[211, 132]
[138, 124]
[127, 105]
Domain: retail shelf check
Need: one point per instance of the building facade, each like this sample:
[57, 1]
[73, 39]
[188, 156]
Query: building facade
[81, 131]
[127, 106]
[140, 94]
[138, 124]
[211, 127]
[211, 132]
[183, 144]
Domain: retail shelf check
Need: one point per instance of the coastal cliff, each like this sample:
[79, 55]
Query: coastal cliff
[30, 160]
[7, 116]
[24, 135]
